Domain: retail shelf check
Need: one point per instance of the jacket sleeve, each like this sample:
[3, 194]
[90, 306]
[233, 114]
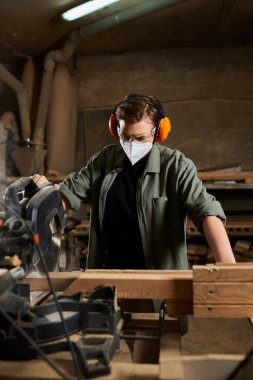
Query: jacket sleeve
[81, 186]
[196, 201]
[76, 187]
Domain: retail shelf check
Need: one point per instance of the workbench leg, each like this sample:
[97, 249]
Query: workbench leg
[146, 351]
[170, 365]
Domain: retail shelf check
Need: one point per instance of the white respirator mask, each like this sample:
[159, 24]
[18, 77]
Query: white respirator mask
[136, 150]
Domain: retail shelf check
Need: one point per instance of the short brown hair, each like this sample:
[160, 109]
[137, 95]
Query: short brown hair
[135, 107]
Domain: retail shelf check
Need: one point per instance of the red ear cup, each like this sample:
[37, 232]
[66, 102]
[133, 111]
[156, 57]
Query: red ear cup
[113, 125]
[163, 130]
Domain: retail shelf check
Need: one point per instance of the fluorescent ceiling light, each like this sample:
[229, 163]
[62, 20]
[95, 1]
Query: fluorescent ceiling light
[85, 9]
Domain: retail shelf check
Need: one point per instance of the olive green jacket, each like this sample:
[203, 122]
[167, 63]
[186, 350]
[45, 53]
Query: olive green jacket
[167, 192]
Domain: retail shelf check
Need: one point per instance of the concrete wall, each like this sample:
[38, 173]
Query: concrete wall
[206, 92]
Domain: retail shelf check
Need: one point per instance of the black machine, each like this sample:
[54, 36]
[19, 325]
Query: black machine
[30, 240]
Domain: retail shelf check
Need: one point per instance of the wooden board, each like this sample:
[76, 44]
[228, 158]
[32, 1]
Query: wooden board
[141, 287]
[206, 367]
[223, 293]
[195, 367]
[177, 288]
[39, 370]
[246, 176]
[224, 311]
[60, 280]
[223, 290]
[242, 272]
[130, 284]
[205, 286]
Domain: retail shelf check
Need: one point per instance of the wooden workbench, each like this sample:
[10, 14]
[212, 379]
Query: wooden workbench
[197, 367]
[210, 291]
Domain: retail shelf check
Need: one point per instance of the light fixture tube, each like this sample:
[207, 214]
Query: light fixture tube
[85, 9]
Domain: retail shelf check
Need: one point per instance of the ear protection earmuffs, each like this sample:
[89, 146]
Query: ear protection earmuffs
[163, 125]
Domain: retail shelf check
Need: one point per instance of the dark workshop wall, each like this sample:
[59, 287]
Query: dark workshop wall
[207, 93]
[8, 99]
[8, 103]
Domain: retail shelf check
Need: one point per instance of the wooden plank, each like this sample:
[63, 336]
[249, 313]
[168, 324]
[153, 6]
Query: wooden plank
[237, 265]
[240, 221]
[223, 311]
[195, 367]
[60, 280]
[213, 367]
[225, 293]
[228, 272]
[38, 297]
[246, 176]
[141, 286]
[243, 247]
[135, 272]
[38, 370]
[196, 249]
[207, 367]
[152, 319]
[146, 284]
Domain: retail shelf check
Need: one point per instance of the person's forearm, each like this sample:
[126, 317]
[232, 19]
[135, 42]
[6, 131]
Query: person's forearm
[217, 239]
[65, 202]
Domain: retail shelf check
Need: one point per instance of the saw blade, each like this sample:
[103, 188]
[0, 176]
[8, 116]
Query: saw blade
[50, 249]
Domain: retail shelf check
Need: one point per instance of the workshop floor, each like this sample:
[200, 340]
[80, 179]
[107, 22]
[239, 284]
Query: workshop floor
[213, 336]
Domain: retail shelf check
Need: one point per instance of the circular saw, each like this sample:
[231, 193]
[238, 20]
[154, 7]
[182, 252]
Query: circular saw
[40, 212]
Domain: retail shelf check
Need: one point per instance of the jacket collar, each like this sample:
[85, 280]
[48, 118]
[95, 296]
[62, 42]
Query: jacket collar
[119, 159]
[153, 164]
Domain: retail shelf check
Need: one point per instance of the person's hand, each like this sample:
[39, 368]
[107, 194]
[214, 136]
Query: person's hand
[39, 179]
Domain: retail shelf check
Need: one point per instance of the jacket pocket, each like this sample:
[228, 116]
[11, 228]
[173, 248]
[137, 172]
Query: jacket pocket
[159, 210]
[160, 202]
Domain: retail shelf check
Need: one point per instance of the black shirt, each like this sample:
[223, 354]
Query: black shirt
[121, 228]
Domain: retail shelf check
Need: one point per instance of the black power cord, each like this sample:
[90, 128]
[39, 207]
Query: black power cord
[240, 366]
[65, 329]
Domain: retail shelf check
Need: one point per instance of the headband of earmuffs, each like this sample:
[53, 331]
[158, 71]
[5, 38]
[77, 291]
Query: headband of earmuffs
[163, 125]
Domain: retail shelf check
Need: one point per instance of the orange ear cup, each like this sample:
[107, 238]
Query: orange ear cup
[164, 128]
[113, 125]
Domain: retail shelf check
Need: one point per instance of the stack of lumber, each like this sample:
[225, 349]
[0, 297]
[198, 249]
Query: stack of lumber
[240, 232]
[242, 176]
[223, 290]
[198, 253]
[243, 250]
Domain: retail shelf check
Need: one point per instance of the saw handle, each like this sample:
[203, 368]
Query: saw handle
[24, 187]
